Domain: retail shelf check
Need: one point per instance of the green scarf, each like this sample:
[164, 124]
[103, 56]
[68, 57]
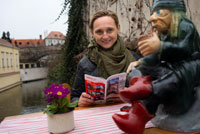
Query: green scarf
[110, 61]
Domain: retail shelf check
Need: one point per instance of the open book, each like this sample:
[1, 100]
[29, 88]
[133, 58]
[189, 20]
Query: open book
[105, 90]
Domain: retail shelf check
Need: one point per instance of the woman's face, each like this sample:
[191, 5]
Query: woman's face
[105, 31]
[161, 20]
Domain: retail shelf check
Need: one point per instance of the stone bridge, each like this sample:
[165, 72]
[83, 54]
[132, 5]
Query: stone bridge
[33, 54]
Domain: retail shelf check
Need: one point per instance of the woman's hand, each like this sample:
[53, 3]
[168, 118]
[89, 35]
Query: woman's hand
[85, 100]
[132, 66]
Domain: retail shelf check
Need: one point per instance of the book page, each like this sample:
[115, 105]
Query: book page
[95, 86]
[114, 84]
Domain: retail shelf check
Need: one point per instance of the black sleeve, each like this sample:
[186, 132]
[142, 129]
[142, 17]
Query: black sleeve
[135, 55]
[85, 66]
[79, 84]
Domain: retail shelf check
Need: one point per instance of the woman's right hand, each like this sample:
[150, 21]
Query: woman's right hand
[132, 66]
[85, 100]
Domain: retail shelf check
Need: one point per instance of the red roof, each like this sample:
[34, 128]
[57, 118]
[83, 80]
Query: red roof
[5, 43]
[55, 35]
[28, 42]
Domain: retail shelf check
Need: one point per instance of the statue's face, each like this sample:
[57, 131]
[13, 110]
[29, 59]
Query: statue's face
[161, 20]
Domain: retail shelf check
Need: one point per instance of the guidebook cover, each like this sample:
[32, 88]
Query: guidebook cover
[105, 90]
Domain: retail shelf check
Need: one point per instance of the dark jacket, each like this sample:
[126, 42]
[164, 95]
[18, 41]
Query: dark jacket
[85, 66]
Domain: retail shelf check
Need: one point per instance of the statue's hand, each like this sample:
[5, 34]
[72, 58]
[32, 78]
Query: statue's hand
[149, 44]
[132, 66]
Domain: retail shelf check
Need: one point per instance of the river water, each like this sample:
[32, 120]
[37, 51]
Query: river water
[23, 99]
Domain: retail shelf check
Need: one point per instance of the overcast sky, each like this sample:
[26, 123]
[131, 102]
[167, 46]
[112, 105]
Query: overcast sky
[27, 19]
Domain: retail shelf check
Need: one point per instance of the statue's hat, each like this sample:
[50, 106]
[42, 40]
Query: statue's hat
[170, 4]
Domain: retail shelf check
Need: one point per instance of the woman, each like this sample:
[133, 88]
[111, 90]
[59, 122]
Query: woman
[107, 54]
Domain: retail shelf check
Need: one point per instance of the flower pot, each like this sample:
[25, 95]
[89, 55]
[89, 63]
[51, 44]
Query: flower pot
[61, 123]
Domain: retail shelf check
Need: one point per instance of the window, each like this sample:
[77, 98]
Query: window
[11, 59]
[26, 65]
[2, 59]
[17, 60]
[7, 59]
[49, 42]
[38, 64]
[63, 41]
[55, 42]
[21, 66]
[32, 66]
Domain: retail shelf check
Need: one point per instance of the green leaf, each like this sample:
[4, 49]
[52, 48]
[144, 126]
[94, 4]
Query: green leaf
[64, 109]
[63, 102]
[73, 104]
[51, 109]
[48, 112]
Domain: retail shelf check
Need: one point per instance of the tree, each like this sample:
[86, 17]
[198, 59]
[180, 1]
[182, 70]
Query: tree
[6, 36]
[3, 36]
[74, 44]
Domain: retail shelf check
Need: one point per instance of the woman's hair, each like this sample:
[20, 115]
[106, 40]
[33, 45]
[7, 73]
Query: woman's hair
[177, 16]
[102, 13]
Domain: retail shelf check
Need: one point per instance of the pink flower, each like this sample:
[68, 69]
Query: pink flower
[56, 91]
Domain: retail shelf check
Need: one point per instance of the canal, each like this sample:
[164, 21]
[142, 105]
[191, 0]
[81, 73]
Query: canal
[23, 99]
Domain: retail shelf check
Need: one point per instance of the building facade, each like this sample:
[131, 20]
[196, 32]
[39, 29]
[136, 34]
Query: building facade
[9, 65]
[54, 38]
[28, 42]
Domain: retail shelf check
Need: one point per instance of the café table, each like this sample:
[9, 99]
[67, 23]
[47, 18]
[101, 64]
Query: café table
[88, 120]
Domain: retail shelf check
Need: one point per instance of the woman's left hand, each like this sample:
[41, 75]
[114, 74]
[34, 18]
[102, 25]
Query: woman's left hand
[85, 100]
